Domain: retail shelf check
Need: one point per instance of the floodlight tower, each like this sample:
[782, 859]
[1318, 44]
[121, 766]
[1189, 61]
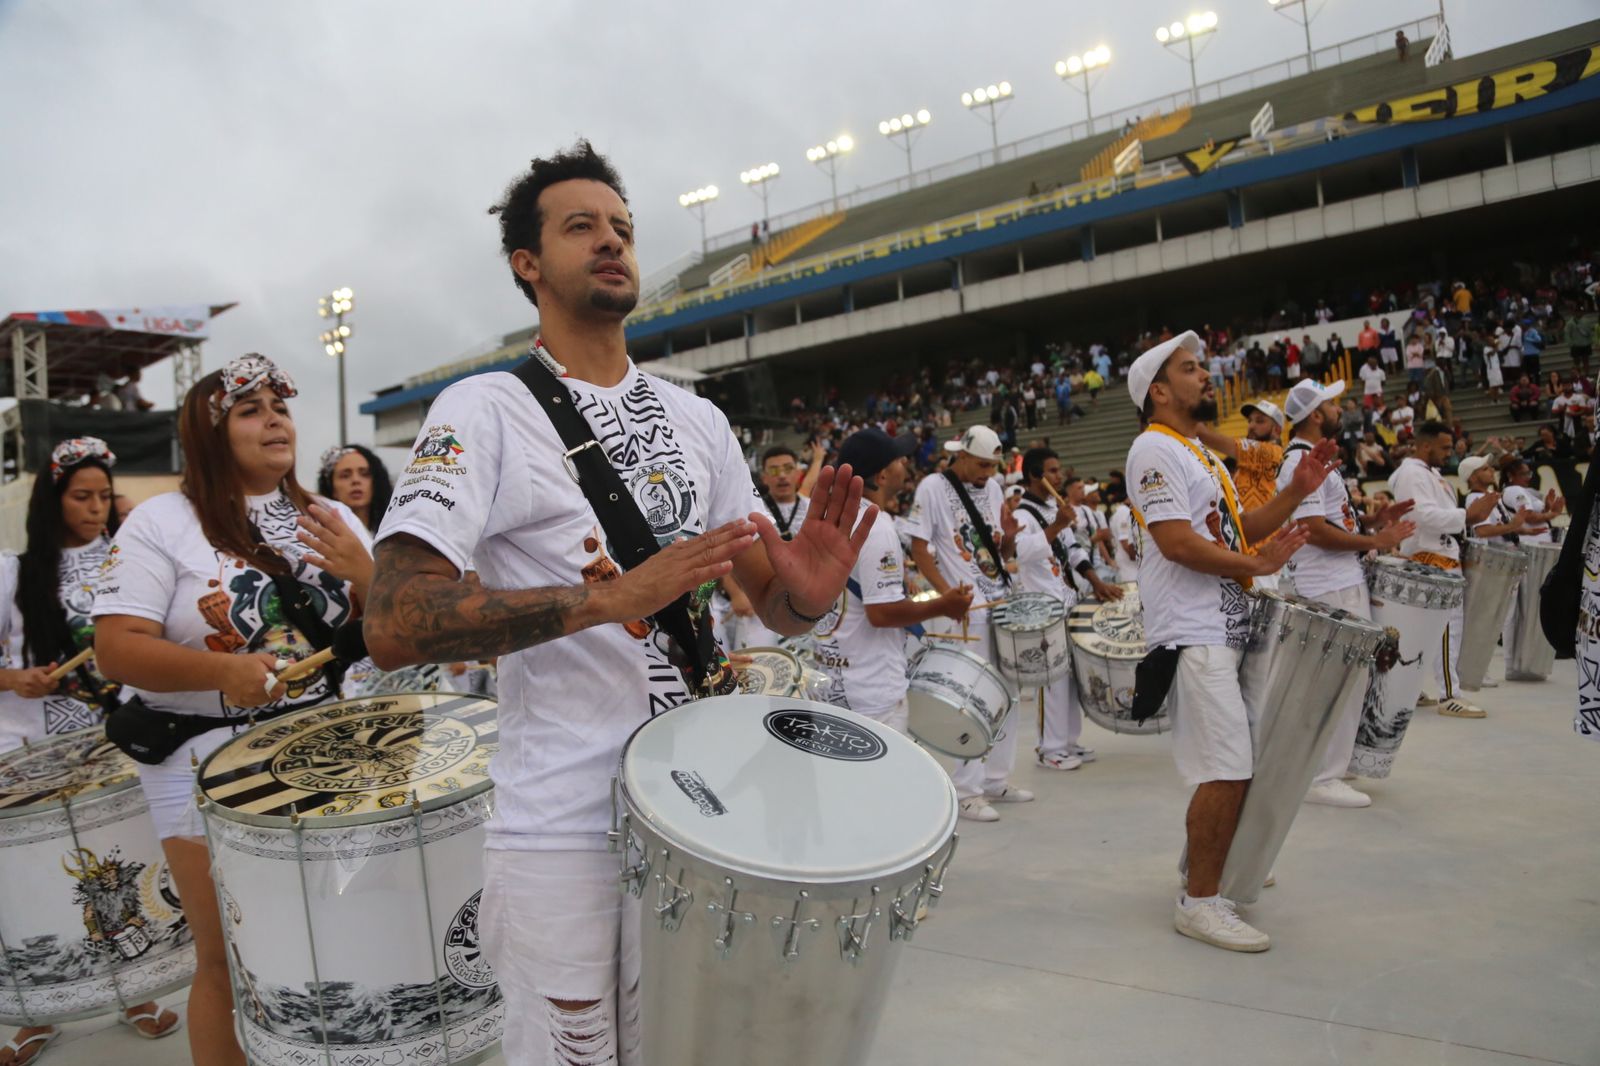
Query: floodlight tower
[1075, 68]
[984, 101]
[826, 157]
[903, 127]
[1184, 33]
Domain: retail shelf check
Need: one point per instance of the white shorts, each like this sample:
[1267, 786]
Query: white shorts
[896, 717]
[1210, 724]
[169, 788]
[554, 927]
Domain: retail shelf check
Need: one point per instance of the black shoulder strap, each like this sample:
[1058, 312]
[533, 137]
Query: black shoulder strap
[1055, 545]
[631, 537]
[295, 600]
[985, 535]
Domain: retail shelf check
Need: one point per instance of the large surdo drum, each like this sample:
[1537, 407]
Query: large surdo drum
[89, 918]
[1530, 657]
[1107, 646]
[782, 852]
[1493, 571]
[347, 843]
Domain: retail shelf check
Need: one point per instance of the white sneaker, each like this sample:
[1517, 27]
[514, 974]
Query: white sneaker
[976, 810]
[1060, 762]
[1337, 794]
[1489, 682]
[1460, 708]
[1083, 753]
[1009, 794]
[1427, 701]
[1216, 923]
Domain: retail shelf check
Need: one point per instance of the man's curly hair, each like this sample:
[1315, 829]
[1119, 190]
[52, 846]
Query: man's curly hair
[520, 218]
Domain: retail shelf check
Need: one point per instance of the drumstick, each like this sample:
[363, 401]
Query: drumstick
[986, 606]
[71, 664]
[310, 664]
[1056, 494]
[952, 636]
[348, 645]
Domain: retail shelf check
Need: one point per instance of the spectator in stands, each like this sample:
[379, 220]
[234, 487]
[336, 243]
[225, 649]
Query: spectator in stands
[1371, 459]
[1094, 381]
[128, 394]
[1414, 358]
[1030, 406]
[1310, 358]
[1549, 448]
[1461, 299]
[1324, 313]
[1524, 399]
[1388, 346]
[1436, 405]
[1008, 423]
[1582, 330]
[755, 234]
[1533, 347]
[1255, 367]
[1493, 377]
[1401, 420]
[1367, 341]
[1402, 45]
[1372, 378]
[1509, 344]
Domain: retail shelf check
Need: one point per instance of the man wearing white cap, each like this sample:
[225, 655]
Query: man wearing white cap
[1196, 628]
[1439, 520]
[1328, 569]
[962, 534]
[1522, 527]
[1258, 454]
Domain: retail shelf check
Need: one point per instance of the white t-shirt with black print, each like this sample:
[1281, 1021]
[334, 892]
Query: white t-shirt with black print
[939, 517]
[751, 632]
[1038, 569]
[1168, 482]
[1124, 530]
[1318, 571]
[486, 481]
[71, 706]
[162, 568]
[1517, 497]
[867, 663]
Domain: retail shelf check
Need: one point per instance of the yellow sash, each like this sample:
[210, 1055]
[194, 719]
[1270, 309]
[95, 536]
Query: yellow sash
[1224, 482]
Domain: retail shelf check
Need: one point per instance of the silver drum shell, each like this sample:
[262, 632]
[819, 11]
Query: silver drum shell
[1492, 571]
[1531, 657]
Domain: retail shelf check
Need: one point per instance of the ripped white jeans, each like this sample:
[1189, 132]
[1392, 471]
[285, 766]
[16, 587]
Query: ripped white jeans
[556, 928]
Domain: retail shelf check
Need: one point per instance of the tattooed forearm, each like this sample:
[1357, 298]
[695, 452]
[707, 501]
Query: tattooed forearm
[419, 611]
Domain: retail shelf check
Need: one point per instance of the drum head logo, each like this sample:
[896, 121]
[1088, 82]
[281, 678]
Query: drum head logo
[374, 751]
[826, 735]
[663, 497]
[462, 955]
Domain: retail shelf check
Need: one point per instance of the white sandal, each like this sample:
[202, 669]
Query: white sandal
[132, 1022]
[42, 1039]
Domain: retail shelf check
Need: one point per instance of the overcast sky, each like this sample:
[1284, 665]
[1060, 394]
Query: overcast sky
[169, 153]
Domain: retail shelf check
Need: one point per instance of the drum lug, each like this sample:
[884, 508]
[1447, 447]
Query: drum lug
[790, 939]
[730, 917]
[936, 887]
[853, 943]
[671, 897]
[633, 873]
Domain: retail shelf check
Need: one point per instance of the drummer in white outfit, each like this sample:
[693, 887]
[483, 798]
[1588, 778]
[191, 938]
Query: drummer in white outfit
[1328, 568]
[785, 494]
[1197, 623]
[1126, 537]
[1509, 523]
[1045, 556]
[582, 660]
[862, 644]
[949, 551]
[1439, 519]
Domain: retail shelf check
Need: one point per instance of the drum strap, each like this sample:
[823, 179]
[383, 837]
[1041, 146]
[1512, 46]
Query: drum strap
[1056, 547]
[853, 587]
[985, 535]
[686, 623]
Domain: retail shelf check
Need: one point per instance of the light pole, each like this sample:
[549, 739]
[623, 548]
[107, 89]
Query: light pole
[826, 156]
[697, 201]
[1303, 16]
[903, 127]
[757, 178]
[1072, 68]
[984, 102]
[1184, 33]
[336, 305]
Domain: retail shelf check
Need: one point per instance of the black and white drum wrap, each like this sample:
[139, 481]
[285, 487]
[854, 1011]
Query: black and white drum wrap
[89, 918]
[346, 843]
[767, 671]
[957, 703]
[1412, 602]
[1530, 657]
[1493, 571]
[1107, 646]
[1303, 661]
[783, 851]
[1030, 639]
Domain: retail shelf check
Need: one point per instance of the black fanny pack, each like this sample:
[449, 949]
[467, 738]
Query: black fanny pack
[150, 736]
[1152, 680]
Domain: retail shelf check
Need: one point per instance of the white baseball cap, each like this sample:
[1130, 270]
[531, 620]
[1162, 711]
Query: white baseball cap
[980, 441]
[1266, 407]
[1471, 465]
[1307, 396]
[1147, 366]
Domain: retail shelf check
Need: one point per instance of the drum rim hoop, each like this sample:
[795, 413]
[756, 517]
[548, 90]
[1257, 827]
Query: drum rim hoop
[62, 802]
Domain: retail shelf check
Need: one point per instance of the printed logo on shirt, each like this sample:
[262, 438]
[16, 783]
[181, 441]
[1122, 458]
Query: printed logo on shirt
[664, 498]
[826, 735]
[438, 449]
[1152, 480]
[889, 563]
[694, 786]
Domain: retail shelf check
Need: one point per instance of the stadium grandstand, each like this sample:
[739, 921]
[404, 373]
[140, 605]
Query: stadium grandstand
[1238, 203]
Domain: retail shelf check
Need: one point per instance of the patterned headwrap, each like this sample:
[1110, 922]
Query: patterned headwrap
[70, 453]
[245, 375]
[331, 457]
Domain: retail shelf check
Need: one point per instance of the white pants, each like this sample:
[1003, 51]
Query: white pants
[1445, 671]
[555, 928]
[990, 773]
[1509, 628]
[1061, 718]
[1342, 742]
[896, 717]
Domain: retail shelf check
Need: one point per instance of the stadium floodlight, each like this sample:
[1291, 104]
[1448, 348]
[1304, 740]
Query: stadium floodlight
[1201, 24]
[1074, 68]
[984, 102]
[758, 178]
[1302, 14]
[903, 127]
[698, 201]
[826, 157]
[336, 305]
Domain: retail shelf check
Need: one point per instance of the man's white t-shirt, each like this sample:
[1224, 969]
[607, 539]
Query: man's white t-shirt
[939, 517]
[162, 568]
[1038, 569]
[1318, 571]
[1125, 530]
[1372, 378]
[751, 632]
[867, 663]
[1168, 482]
[1402, 417]
[1517, 497]
[486, 481]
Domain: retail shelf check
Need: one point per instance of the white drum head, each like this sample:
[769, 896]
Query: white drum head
[75, 766]
[1027, 612]
[770, 671]
[359, 760]
[787, 790]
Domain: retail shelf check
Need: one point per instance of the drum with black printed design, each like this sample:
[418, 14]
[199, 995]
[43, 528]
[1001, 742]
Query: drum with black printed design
[1107, 647]
[767, 671]
[89, 918]
[346, 842]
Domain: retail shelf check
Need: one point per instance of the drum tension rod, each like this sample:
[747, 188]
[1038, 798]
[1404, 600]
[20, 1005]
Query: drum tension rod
[730, 917]
[791, 938]
[668, 906]
[853, 943]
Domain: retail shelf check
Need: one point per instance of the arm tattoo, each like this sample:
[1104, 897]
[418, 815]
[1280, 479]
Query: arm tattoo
[436, 618]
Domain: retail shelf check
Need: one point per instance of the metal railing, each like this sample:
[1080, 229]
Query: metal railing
[1356, 48]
